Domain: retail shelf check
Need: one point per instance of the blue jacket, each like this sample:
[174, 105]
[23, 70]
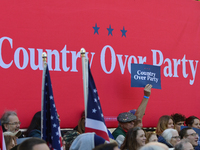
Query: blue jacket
[35, 133]
[197, 147]
[162, 140]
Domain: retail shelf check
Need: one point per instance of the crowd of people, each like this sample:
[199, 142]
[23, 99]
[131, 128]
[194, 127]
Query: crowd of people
[173, 131]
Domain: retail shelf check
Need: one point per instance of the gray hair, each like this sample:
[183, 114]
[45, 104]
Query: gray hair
[152, 147]
[4, 118]
[179, 146]
[167, 134]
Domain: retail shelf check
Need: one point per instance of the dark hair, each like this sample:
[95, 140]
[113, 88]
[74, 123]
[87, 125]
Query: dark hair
[109, 146]
[4, 118]
[130, 141]
[162, 124]
[183, 132]
[190, 120]
[30, 143]
[178, 117]
[35, 123]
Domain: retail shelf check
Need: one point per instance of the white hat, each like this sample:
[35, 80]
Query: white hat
[17, 133]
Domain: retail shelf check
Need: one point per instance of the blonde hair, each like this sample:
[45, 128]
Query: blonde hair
[8, 140]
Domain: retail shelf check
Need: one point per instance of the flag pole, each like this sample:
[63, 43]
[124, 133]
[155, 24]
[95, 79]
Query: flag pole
[85, 77]
[44, 57]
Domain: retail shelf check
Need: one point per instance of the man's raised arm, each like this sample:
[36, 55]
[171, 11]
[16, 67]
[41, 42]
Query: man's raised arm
[141, 109]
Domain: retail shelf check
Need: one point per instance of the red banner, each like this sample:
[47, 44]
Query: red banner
[114, 34]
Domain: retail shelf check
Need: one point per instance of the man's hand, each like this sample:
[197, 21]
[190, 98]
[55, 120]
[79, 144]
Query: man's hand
[147, 90]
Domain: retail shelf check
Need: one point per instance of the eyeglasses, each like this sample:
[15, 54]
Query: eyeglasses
[193, 134]
[176, 137]
[15, 123]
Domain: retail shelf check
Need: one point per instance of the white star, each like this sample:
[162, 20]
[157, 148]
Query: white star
[54, 105]
[54, 125]
[95, 100]
[51, 117]
[99, 107]
[95, 90]
[94, 110]
[102, 115]
[46, 84]
[57, 133]
[51, 97]
[98, 98]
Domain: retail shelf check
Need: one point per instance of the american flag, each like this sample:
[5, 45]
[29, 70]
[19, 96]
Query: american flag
[2, 142]
[94, 119]
[51, 128]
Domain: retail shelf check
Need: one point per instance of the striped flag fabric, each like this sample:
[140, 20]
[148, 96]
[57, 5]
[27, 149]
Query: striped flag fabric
[2, 142]
[50, 128]
[94, 119]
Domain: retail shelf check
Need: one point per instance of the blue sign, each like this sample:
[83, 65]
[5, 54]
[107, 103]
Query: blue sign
[195, 129]
[142, 74]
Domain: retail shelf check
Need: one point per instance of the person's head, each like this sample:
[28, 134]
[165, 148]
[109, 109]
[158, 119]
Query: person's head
[35, 123]
[33, 144]
[126, 120]
[192, 121]
[10, 121]
[190, 134]
[154, 146]
[86, 141]
[135, 138]
[165, 122]
[151, 137]
[69, 137]
[107, 146]
[10, 141]
[184, 144]
[81, 123]
[179, 120]
[11, 136]
[171, 136]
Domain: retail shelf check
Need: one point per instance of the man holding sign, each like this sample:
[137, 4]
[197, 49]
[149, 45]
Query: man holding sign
[127, 120]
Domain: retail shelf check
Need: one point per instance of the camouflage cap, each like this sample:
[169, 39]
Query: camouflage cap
[70, 136]
[126, 117]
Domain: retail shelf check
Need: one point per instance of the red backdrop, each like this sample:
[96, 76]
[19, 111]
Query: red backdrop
[154, 32]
